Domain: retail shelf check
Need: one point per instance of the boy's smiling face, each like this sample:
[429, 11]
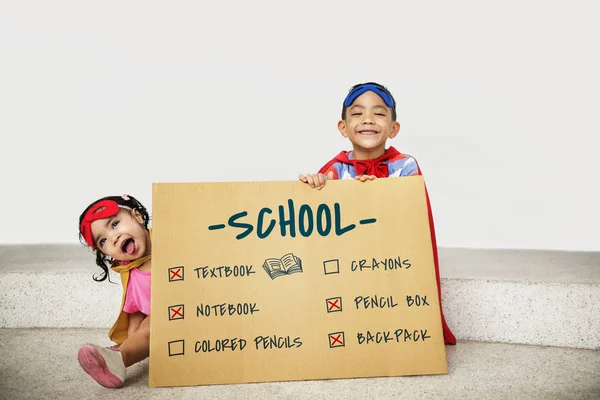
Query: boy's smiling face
[368, 125]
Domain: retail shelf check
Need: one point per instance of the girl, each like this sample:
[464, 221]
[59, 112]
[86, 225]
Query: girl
[116, 228]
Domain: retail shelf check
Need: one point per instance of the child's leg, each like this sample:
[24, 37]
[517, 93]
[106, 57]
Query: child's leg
[137, 346]
[108, 365]
[103, 364]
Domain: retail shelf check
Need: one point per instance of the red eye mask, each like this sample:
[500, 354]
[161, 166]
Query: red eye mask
[100, 210]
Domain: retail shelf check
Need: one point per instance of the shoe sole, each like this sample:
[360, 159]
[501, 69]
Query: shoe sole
[94, 364]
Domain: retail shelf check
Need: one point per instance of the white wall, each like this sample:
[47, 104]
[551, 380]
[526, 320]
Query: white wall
[499, 102]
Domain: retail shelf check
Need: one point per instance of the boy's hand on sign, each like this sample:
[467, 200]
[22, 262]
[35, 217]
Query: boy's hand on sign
[316, 180]
[364, 178]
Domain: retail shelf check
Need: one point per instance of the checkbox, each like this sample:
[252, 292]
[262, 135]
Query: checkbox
[336, 339]
[176, 312]
[176, 274]
[334, 304]
[176, 348]
[331, 267]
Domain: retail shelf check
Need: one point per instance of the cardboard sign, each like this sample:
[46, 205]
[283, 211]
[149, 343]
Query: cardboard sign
[275, 281]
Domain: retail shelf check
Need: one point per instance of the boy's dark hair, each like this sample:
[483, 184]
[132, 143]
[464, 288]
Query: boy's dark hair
[102, 260]
[377, 88]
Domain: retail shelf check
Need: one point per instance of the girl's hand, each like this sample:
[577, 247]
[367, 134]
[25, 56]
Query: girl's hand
[364, 178]
[316, 180]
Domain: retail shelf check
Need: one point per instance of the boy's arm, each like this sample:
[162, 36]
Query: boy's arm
[405, 166]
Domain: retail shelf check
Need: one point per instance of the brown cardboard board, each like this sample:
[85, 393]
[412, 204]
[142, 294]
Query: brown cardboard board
[359, 298]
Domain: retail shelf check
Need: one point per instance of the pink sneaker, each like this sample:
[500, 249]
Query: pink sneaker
[105, 365]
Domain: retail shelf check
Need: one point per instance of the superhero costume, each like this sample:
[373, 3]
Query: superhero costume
[391, 164]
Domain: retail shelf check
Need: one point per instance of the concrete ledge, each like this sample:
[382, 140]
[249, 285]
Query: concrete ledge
[547, 314]
[534, 266]
[512, 296]
[42, 364]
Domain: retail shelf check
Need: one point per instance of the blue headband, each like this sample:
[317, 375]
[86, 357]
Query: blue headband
[360, 89]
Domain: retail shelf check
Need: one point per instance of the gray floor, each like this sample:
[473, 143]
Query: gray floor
[42, 364]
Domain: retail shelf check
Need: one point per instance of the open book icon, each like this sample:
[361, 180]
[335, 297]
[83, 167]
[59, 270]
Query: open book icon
[286, 265]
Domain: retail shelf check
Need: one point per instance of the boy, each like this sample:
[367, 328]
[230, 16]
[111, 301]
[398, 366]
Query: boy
[368, 121]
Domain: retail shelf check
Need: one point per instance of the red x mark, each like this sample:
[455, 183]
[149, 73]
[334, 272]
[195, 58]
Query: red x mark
[176, 312]
[332, 304]
[336, 339]
[175, 273]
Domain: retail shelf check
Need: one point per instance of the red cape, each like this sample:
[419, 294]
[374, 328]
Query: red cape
[373, 167]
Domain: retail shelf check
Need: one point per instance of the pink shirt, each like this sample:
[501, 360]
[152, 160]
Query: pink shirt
[138, 292]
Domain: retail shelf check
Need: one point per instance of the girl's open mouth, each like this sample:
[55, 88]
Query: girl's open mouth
[128, 246]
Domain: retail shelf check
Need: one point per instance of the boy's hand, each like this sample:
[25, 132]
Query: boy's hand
[364, 178]
[316, 180]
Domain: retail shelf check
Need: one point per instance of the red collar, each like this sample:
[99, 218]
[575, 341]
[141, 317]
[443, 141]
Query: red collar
[377, 167]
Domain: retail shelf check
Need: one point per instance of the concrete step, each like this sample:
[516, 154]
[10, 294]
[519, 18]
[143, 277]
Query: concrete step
[42, 364]
[511, 296]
